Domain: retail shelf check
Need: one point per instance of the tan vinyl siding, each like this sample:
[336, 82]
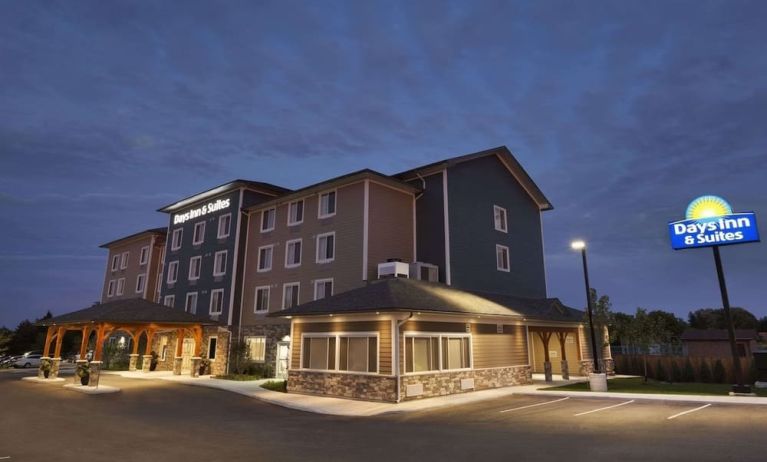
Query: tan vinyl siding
[555, 349]
[383, 328]
[390, 231]
[491, 349]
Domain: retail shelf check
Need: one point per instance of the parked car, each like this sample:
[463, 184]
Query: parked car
[28, 360]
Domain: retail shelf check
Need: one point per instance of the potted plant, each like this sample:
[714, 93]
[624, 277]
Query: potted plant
[204, 366]
[153, 362]
[45, 366]
[84, 372]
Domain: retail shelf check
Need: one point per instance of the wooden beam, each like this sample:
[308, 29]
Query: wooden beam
[179, 342]
[197, 341]
[545, 337]
[59, 338]
[562, 336]
[48, 338]
[84, 342]
[149, 339]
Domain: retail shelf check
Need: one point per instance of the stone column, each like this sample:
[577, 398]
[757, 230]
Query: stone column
[565, 370]
[40, 373]
[95, 368]
[547, 371]
[55, 366]
[132, 361]
[177, 365]
[146, 363]
[77, 366]
[195, 372]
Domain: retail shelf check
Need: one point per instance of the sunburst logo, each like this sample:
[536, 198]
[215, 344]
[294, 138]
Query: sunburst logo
[708, 207]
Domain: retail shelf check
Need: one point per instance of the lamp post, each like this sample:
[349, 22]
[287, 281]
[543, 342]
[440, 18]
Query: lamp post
[580, 245]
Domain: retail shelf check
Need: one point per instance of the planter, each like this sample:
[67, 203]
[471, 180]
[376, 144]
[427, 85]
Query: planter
[598, 382]
[84, 380]
[46, 374]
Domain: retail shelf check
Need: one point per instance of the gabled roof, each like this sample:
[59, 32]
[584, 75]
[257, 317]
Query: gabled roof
[133, 310]
[265, 188]
[156, 231]
[503, 154]
[406, 295]
[717, 335]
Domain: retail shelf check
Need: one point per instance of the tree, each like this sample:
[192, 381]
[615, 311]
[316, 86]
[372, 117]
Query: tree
[762, 326]
[713, 318]
[5, 339]
[620, 329]
[649, 329]
[668, 327]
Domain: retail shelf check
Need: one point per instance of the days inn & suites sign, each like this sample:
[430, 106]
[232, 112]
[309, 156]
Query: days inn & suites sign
[711, 222]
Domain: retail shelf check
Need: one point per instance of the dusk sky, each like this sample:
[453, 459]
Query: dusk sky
[622, 112]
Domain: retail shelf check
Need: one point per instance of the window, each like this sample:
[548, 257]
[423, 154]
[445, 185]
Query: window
[499, 217]
[256, 348]
[163, 347]
[140, 283]
[190, 305]
[195, 265]
[115, 262]
[170, 300]
[261, 304]
[175, 243]
[217, 301]
[111, 288]
[212, 344]
[219, 263]
[124, 260]
[120, 286]
[268, 219]
[293, 253]
[323, 288]
[357, 352]
[143, 256]
[290, 294]
[199, 233]
[425, 353]
[326, 247]
[296, 213]
[224, 224]
[327, 205]
[172, 272]
[265, 258]
[502, 258]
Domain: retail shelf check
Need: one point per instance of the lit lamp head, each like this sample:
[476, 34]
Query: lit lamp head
[578, 245]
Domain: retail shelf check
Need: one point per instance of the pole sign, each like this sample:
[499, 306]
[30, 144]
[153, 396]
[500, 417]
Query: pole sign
[711, 222]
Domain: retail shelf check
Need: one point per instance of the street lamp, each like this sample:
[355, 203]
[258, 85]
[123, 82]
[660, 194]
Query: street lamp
[580, 245]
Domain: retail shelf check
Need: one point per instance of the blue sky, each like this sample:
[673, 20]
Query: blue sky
[621, 111]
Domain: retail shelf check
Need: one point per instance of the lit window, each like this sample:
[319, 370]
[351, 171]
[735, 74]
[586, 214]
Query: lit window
[170, 300]
[256, 347]
[358, 354]
[293, 253]
[219, 263]
[502, 258]
[120, 286]
[140, 282]
[195, 265]
[265, 258]
[327, 204]
[423, 353]
[295, 213]
[115, 262]
[143, 255]
[190, 305]
[499, 217]
[268, 219]
[290, 295]
[124, 260]
[224, 224]
[199, 233]
[355, 353]
[319, 353]
[175, 242]
[323, 288]
[217, 301]
[172, 272]
[111, 288]
[326, 247]
[261, 304]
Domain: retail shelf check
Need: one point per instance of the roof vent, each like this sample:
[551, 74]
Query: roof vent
[393, 269]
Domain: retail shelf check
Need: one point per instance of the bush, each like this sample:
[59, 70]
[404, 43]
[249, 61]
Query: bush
[688, 373]
[705, 372]
[676, 372]
[260, 370]
[276, 385]
[720, 375]
[660, 372]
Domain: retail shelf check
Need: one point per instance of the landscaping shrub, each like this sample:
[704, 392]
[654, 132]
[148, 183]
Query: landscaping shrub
[688, 373]
[720, 375]
[705, 372]
[660, 372]
[276, 385]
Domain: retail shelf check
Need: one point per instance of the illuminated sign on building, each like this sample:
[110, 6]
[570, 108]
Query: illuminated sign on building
[220, 204]
[709, 222]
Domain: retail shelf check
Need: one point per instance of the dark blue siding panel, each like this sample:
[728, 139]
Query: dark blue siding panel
[430, 223]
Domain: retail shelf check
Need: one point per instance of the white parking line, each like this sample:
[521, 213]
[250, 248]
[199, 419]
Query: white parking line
[687, 412]
[534, 405]
[603, 408]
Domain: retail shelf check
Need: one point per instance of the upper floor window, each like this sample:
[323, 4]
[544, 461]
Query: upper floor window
[143, 256]
[224, 224]
[327, 204]
[293, 253]
[265, 258]
[502, 258]
[111, 288]
[296, 213]
[195, 265]
[268, 219]
[115, 262]
[172, 272]
[199, 233]
[120, 286]
[290, 294]
[175, 242]
[170, 300]
[140, 283]
[217, 301]
[326, 247]
[499, 217]
[124, 260]
[323, 288]
[261, 304]
[219, 263]
[190, 304]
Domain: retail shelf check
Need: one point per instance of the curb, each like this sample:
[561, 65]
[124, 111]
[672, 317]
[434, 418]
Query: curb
[736, 400]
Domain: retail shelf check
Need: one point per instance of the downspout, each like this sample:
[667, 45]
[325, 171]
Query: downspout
[397, 371]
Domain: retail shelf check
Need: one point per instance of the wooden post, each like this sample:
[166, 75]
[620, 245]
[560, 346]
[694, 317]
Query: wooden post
[562, 336]
[48, 339]
[99, 343]
[197, 341]
[84, 342]
[545, 337]
[59, 338]
[149, 339]
[180, 343]
[136, 336]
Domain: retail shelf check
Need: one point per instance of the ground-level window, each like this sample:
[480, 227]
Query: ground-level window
[436, 352]
[170, 300]
[356, 352]
[217, 301]
[140, 281]
[212, 344]
[261, 304]
[163, 347]
[190, 305]
[256, 348]
[502, 258]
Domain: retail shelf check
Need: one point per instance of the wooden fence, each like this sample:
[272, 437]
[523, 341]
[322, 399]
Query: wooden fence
[685, 369]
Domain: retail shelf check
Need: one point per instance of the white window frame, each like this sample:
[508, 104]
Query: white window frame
[499, 247]
[225, 253]
[124, 260]
[120, 287]
[214, 350]
[143, 255]
[248, 347]
[317, 247]
[300, 253]
[111, 288]
[115, 262]
[317, 282]
[169, 301]
[140, 278]
[191, 267]
[337, 353]
[186, 302]
[174, 273]
[290, 212]
[212, 297]
[177, 245]
[268, 290]
[440, 335]
[219, 234]
[319, 203]
[201, 234]
[271, 260]
[496, 210]
[274, 221]
[298, 292]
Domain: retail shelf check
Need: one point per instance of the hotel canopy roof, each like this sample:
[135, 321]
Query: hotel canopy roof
[159, 231]
[266, 188]
[129, 311]
[407, 295]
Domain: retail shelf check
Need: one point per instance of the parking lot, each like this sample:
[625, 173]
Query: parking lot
[153, 420]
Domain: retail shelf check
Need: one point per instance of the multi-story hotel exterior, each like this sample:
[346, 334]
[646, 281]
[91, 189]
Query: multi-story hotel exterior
[134, 264]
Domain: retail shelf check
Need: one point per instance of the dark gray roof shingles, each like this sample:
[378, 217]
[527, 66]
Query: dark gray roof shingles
[133, 310]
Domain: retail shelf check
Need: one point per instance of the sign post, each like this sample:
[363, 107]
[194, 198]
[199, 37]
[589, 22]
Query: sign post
[711, 223]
